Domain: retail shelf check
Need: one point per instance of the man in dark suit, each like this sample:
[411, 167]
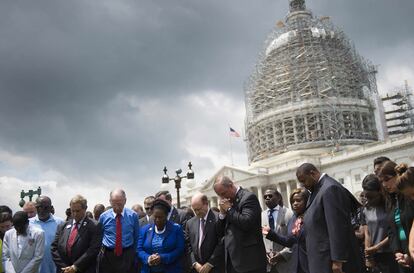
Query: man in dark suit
[240, 224]
[330, 239]
[205, 247]
[77, 241]
[148, 201]
[178, 216]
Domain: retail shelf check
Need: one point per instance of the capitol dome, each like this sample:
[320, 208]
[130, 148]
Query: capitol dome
[310, 89]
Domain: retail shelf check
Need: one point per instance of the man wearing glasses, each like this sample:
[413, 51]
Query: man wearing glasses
[48, 223]
[276, 216]
[147, 206]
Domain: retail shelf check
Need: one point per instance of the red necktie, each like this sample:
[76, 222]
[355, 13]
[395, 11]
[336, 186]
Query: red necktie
[71, 239]
[118, 240]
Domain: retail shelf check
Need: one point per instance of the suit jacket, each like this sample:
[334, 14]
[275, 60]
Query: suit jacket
[281, 227]
[84, 250]
[212, 248]
[172, 247]
[180, 216]
[31, 255]
[144, 221]
[297, 243]
[330, 235]
[241, 229]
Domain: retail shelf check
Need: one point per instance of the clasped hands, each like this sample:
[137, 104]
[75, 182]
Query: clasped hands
[69, 269]
[205, 268]
[154, 259]
[224, 205]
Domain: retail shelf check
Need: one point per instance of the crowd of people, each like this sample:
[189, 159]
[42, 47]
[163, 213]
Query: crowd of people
[328, 230]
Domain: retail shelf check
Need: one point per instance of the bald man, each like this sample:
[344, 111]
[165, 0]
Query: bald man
[120, 236]
[205, 244]
[46, 221]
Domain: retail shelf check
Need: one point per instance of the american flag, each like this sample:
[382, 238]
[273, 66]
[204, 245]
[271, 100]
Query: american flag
[234, 133]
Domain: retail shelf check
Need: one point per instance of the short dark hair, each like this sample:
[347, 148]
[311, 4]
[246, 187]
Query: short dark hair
[380, 160]
[371, 183]
[166, 193]
[162, 205]
[306, 168]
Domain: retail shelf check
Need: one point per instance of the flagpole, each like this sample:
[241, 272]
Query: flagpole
[231, 149]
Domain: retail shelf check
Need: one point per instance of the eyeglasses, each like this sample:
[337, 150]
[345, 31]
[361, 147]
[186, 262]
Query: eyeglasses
[147, 208]
[266, 196]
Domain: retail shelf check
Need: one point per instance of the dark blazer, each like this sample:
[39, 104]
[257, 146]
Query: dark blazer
[329, 231]
[172, 247]
[85, 249]
[297, 243]
[241, 229]
[212, 248]
[144, 221]
[180, 216]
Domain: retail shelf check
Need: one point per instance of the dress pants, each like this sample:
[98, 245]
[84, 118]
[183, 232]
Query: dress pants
[108, 262]
[230, 268]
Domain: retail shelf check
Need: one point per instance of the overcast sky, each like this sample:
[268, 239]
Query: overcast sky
[102, 94]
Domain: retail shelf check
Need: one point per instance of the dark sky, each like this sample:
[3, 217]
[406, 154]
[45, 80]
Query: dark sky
[101, 94]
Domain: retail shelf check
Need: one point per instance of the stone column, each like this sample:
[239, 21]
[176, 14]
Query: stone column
[260, 197]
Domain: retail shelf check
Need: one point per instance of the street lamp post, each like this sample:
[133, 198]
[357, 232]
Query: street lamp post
[30, 194]
[177, 179]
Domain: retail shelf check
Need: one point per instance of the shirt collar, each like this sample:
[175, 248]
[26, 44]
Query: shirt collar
[205, 217]
[275, 208]
[51, 219]
[322, 175]
[80, 222]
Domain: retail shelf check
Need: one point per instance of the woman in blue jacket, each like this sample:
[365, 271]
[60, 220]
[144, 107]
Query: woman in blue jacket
[295, 238]
[161, 244]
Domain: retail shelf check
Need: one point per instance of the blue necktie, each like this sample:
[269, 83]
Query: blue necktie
[271, 219]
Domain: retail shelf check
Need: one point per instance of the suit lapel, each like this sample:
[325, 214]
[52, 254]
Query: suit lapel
[315, 191]
[66, 232]
[207, 226]
[280, 216]
[81, 229]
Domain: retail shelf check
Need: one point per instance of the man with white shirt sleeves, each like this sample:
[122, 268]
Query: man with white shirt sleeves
[330, 239]
[120, 236]
[277, 218]
[204, 242]
[23, 247]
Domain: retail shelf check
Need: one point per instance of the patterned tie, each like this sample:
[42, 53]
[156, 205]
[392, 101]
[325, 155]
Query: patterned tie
[201, 237]
[71, 239]
[271, 219]
[118, 240]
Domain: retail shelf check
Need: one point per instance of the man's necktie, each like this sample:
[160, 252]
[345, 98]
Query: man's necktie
[71, 240]
[271, 219]
[118, 239]
[201, 237]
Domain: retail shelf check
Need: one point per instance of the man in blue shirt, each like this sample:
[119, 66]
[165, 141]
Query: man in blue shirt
[48, 223]
[120, 236]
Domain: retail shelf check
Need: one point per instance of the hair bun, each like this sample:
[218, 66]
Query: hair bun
[401, 168]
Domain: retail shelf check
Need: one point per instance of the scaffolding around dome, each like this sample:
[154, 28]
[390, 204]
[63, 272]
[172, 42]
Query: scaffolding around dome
[310, 88]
